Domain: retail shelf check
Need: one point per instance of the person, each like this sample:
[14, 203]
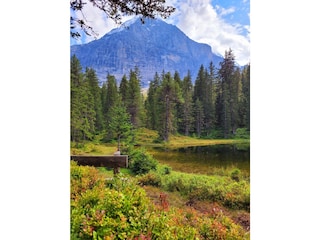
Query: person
[116, 170]
[117, 152]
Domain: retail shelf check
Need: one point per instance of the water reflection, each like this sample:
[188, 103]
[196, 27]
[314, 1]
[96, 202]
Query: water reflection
[205, 159]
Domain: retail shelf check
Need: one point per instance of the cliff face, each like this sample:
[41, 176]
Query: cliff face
[154, 46]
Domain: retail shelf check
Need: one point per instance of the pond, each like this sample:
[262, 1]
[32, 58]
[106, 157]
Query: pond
[205, 159]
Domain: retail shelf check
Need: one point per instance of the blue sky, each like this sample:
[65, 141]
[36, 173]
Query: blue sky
[222, 24]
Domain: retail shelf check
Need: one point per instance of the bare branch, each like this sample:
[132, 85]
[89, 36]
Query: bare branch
[116, 9]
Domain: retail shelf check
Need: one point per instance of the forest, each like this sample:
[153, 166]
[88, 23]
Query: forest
[216, 106]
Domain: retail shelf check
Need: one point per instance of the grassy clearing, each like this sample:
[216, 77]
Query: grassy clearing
[92, 149]
[146, 137]
[149, 138]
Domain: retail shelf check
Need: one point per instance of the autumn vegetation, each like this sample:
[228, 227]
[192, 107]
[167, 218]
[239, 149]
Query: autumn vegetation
[119, 208]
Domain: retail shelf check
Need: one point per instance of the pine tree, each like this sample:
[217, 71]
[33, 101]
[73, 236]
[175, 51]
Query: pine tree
[124, 91]
[82, 105]
[187, 107]
[168, 96]
[75, 105]
[178, 108]
[93, 84]
[151, 103]
[134, 97]
[120, 123]
[199, 117]
[212, 97]
[203, 91]
[88, 113]
[229, 97]
[219, 123]
[112, 100]
[244, 99]
[104, 103]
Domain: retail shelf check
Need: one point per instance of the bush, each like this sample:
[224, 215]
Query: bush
[233, 194]
[164, 169]
[242, 133]
[141, 162]
[120, 211]
[151, 179]
[235, 174]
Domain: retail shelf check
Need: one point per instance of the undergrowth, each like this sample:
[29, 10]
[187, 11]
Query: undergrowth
[232, 191]
[118, 208]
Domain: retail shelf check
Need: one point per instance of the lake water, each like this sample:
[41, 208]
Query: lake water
[205, 159]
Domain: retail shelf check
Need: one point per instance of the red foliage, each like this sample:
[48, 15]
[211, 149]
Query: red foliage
[164, 201]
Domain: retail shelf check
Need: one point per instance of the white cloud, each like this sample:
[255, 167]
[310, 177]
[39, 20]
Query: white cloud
[98, 20]
[200, 21]
[223, 11]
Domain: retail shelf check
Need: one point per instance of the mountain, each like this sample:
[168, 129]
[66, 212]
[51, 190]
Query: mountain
[154, 46]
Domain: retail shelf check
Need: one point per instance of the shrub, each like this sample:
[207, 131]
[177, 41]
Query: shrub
[164, 169]
[151, 179]
[120, 212]
[141, 162]
[233, 194]
[235, 174]
[242, 133]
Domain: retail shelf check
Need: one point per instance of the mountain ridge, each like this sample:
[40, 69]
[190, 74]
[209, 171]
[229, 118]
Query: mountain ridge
[154, 46]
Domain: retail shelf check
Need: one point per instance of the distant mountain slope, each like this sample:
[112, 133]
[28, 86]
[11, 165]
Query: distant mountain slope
[152, 47]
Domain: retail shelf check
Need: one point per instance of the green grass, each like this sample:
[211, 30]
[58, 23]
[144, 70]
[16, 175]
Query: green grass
[148, 138]
[233, 193]
[93, 149]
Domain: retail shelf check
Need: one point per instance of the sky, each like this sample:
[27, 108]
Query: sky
[222, 24]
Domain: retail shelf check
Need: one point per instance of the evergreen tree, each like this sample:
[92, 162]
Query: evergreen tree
[93, 84]
[187, 119]
[199, 117]
[75, 104]
[229, 96]
[200, 85]
[178, 108]
[203, 91]
[244, 99]
[124, 91]
[168, 95]
[82, 105]
[212, 97]
[152, 104]
[112, 100]
[120, 124]
[88, 113]
[134, 97]
[218, 108]
[104, 103]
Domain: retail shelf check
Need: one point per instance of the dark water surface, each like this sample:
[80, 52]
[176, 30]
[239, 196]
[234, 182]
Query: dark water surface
[205, 159]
